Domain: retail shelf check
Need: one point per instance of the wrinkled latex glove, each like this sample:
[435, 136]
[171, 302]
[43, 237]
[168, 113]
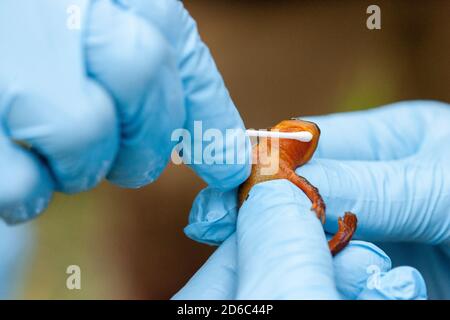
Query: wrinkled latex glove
[279, 251]
[101, 100]
[389, 166]
[180, 85]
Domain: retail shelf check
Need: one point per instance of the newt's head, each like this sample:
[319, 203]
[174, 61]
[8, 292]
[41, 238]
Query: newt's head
[280, 156]
[296, 152]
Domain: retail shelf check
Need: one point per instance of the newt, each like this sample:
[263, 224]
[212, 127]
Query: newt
[292, 154]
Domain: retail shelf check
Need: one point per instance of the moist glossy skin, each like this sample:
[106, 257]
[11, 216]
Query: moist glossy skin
[290, 155]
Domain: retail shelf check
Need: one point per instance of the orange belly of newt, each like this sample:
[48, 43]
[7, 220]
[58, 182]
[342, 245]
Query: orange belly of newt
[286, 155]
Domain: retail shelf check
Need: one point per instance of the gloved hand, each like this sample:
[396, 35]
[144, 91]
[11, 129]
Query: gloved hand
[279, 251]
[387, 165]
[390, 166]
[102, 99]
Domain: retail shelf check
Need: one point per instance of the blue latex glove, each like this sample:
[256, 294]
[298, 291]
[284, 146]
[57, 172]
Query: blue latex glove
[279, 251]
[179, 85]
[14, 247]
[47, 102]
[389, 166]
[102, 99]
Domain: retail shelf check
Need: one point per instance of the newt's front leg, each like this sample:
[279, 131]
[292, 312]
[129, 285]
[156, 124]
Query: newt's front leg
[318, 205]
[346, 225]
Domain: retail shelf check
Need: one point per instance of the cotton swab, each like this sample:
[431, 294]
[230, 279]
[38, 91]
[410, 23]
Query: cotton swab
[303, 136]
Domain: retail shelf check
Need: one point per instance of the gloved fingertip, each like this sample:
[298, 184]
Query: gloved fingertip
[226, 162]
[24, 212]
[213, 216]
[401, 283]
[136, 167]
[25, 183]
[355, 264]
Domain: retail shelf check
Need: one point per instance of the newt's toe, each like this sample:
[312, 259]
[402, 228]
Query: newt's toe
[350, 221]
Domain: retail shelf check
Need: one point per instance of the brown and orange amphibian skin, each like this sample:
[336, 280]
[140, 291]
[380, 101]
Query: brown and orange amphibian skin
[290, 155]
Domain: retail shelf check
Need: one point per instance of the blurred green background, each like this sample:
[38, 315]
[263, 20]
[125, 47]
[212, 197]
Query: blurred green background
[279, 59]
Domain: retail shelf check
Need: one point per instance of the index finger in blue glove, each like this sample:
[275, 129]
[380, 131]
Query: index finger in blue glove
[207, 103]
[282, 249]
[26, 185]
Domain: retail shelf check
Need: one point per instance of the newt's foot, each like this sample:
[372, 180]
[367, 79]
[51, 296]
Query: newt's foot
[346, 229]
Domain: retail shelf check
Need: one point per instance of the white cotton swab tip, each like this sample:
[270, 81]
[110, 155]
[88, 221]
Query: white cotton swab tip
[303, 136]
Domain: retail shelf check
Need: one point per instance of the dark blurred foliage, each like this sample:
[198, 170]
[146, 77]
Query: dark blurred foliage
[279, 59]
